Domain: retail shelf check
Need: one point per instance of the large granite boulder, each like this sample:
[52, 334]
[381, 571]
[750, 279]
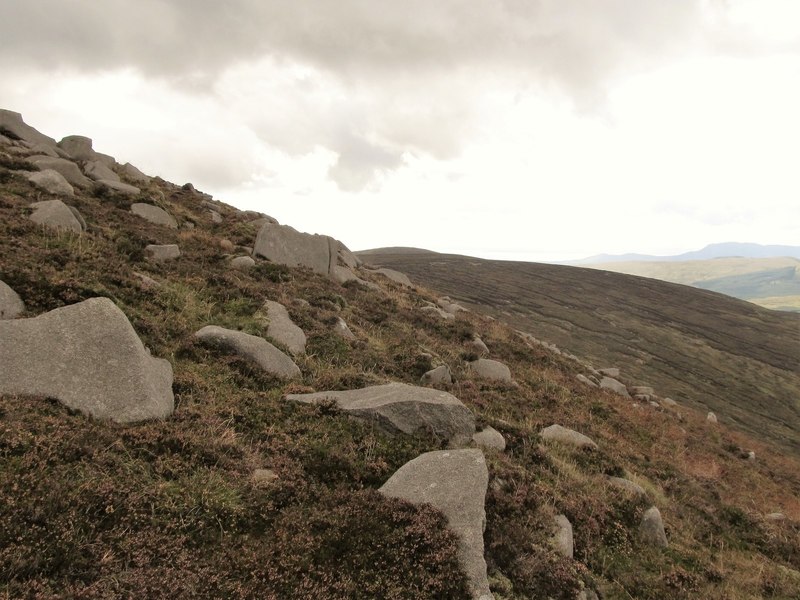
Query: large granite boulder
[51, 182]
[87, 356]
[12, 126]
[154, 214]
[252, 348]
[489, 437]
[11, 304]
[282, 329]
[405, 408]
[68, 169]
[78, 147]
[56, 214]
[134, 174]
[562, 435]
[651, 528]
[454, 482]
[285, 245]
[609, 383]
[99, 171]
[395, 276]
[490, 369]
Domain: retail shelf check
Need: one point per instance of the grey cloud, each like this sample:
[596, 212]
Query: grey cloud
[360, 162]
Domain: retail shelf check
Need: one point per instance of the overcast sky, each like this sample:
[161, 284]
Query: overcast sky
[524, 129]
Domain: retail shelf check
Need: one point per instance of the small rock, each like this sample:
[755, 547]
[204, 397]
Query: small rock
[557, 433]
[711, 418]
[477, 346]
[342, 329]
[439, 376]
[489, 437]
[627, 485]
[118, 186]
[491, 369]
[435, 310]
[215, 216]
[751, 456]
[264, 476]
[776, 516]
[641, 390]
[609, 372]
[282, 329]
[159, 253]
[242, 263]
[609, 383]
[586, 380]
[146, 281]
[668, 403]
[11, 305]
[54, 213]
[449, 306]
[252, 348]
[562, 537]
[226, 245]
[651, 529]
[154, 214]
[51, 182]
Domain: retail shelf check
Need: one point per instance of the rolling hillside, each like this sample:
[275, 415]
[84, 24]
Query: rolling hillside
[701, 347]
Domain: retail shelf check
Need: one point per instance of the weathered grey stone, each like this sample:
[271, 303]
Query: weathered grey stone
[44, 150]
[586, 380]
[476, 344]
[454, 482]
[54, 213]
[252, 348]
[668, 403]
[12, 126]
[641, 390]
[609, 372]
[405, 408]
[711, 418]
[343, 274]
[342, 329]
[76, 213]
[439, 376]
[98, 171]
[490, 369]
[78, 147]
[651, 529]
[285, 245]
[5, 141]
[557, 433]
[776, 516]
[215, 216]
[146, 281]
[489, 437]
[395, 276]
[264, 476]
[242, 263]
[160, 253]
[134, 174]
[11, 304]
[627, 485]
[70, 171]
[282, 329]
[608, 383]
[447, 305]
[438, 312]
[87, 356]
[51, 182]
[154, 214]
[118, 186]
[562, 539]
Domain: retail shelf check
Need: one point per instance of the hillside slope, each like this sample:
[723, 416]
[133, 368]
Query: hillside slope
[706, 349]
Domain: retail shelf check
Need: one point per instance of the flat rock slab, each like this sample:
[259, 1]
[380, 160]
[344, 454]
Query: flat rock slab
[68, 169]
[162, 252]
[154, 214]
[11, 305]
[118, 186]
[651, 529]
[54, 213]
[51, 182]
[489, 437]
[98, 171]
[562, 435]
[252, 348]
[395, 276]
[609, 371]
[454, 482]
[584, 379]
[12, 123]
[282, 329]
[609, 383]
[87, 356]
[404, 408]
[439, 376]
[490, 369]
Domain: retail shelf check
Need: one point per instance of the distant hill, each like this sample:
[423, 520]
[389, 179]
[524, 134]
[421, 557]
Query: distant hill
[705, 348]
[721, 250]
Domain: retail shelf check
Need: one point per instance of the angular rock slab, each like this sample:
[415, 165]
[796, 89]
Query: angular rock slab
[609, 383]
[439, 376]
[454, 482]
[98, 171]
[11, 122]
[490, 369]
[51, 182]
[154, 214]
[118, 186]
[78, 147]
[557, 433]
[627, 485]
[11, 304]
[68, 169]
[405, 408]
[282, 329]
[395, 276]
[651, 529]
[341, 328]
[87, 356]
[585, 380]
[134, 174]
[252, 348]
[54, 213]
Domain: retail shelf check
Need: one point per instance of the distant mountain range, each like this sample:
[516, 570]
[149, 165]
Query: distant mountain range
[722, 250]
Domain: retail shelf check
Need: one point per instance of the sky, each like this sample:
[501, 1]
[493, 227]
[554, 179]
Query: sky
[512, 129]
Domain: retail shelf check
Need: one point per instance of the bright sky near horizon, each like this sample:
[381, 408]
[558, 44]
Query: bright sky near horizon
[519, 129]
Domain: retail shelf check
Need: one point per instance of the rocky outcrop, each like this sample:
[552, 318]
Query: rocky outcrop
[134, 174]
[282, 329]
[154, 214]
[562, 540]
[490, 369]
[404, 408]
[68, 169]
[51, 182]
[489, 437]
[439, 376]
[285, 245]
[56, 214]
[651, 528]
[562, 435]
[78, 147]
[11, 305]
[162, 252]
[609, 383]
[13, 127]
[252, 348]
[454, 482]
[87, 356]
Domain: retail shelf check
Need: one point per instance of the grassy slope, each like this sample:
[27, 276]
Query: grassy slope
[698, 347]
[169, 509]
